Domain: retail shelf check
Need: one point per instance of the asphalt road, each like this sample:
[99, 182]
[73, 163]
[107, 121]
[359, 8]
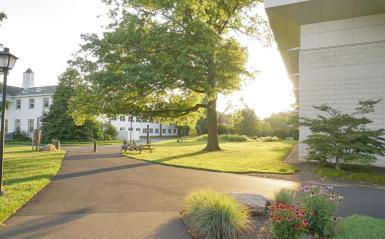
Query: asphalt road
[106, 195]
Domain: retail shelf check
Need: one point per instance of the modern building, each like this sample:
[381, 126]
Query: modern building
[334, 51]
[27, 104]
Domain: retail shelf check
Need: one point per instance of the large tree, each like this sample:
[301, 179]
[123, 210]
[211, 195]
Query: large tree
[166, 59]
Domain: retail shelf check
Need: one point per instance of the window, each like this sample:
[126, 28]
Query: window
[144, 130]
[130, 129]
[137, 129]
[122, 128]
[31, 125]
[6, 125]
[18, 104]
[122, 118]
[169, 131]
[45, 103]
[151, 130]
[174, 131]
[164, 131]
[156, 131]
[32, 103]
[17, 125]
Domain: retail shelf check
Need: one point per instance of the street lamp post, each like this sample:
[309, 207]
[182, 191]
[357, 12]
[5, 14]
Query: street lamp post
[7, 61]
[131, 118]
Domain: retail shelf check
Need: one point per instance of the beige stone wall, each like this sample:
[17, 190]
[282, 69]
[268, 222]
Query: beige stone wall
[341, 76]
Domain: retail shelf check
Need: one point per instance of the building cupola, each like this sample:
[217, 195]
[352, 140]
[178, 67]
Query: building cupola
[28, 79]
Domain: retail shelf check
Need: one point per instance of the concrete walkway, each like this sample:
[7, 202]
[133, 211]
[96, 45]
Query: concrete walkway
[106, 195]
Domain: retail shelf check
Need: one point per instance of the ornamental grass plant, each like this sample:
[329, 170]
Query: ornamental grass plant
[214, 215]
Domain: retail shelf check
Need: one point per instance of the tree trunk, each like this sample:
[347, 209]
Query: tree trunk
[212, 127]
[337, 164]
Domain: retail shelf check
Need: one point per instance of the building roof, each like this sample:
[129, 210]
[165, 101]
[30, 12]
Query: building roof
[287, 16]
[29, 70]
[40, 90]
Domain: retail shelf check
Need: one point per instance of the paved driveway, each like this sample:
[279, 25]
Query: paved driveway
[105, 195]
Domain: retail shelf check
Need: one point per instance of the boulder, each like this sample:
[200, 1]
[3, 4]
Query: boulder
[256, 203]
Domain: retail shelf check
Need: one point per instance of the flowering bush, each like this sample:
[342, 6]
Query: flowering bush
[321, 207]
[287, 221]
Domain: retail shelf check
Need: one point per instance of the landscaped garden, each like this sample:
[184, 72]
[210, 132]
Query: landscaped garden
[26, 172]
[309, 213]
[239, 157]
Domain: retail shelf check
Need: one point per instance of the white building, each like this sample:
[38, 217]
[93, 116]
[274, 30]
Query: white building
[27, 104]
[334, 51]
[128, 123]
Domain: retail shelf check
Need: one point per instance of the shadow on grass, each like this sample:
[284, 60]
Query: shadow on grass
[27, 179]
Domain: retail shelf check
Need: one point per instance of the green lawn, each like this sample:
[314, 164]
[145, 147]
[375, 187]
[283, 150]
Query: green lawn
[355, 173]
[25, 173]
[239, 157]
[358, 227]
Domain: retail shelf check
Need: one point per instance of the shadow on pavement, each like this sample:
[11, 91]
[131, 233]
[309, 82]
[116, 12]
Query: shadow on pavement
[38, 228]
[172, 229]
[100, 170]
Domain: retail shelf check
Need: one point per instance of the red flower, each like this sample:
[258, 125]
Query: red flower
[305, 223]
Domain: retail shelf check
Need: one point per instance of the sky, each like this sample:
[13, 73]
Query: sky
[45, 33]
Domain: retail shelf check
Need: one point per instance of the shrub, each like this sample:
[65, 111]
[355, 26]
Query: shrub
[269, 139]
[287, 221]
[234, 138]
[285, 196]
[340, 138]
[21, 136]
[202, 137]
[358, 227]
[321, 207]
[226, 137]
[214, 215]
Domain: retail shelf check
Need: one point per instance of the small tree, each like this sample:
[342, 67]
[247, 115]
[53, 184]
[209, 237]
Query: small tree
[58, 123]
[263, 128]
[247, 122]
[341, 138]
[110, 132]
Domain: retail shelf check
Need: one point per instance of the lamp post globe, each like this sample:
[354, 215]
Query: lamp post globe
[7, 61]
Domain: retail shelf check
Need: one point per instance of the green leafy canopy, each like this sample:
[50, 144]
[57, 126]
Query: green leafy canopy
[164, 59]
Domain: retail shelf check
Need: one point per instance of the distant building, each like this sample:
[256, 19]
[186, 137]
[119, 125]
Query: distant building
[27, 104]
